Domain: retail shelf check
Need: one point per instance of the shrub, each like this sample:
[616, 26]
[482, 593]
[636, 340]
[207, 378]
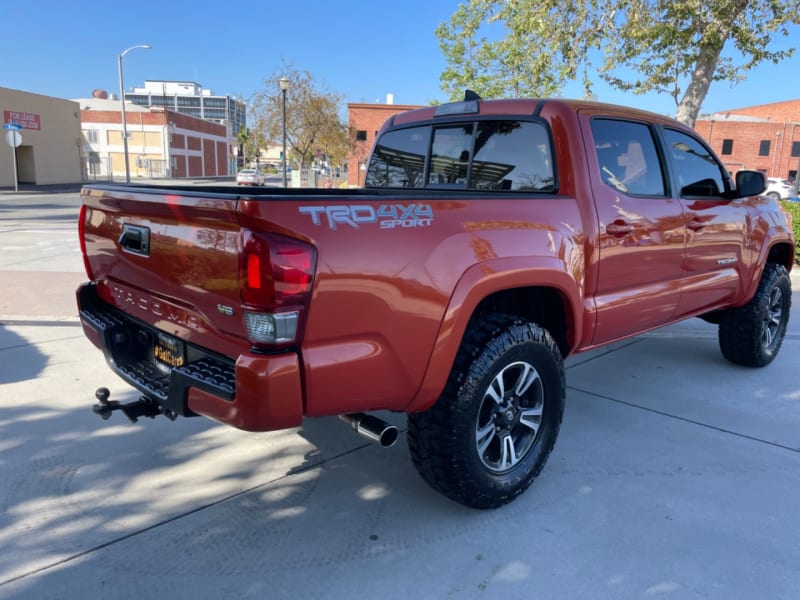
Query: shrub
[793, 208]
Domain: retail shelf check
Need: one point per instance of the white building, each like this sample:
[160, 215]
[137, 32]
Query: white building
[161, 143]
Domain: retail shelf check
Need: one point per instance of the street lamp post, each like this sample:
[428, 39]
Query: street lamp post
[283, 82]
[122, 99]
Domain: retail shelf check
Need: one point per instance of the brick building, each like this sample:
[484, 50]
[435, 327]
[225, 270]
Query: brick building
[366, 120]
[161, 143]
[764, 137]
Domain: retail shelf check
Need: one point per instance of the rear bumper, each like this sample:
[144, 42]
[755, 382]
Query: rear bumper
[255, 392]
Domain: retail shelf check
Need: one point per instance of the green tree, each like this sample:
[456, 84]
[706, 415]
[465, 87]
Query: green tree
[250, 142]
[312, 116]
[503, 48]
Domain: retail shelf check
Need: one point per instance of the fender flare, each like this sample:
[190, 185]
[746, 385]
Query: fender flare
[774, 236]
[478, 282]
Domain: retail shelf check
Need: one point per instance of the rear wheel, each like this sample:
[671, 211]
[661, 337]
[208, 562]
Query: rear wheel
[752, 334]
[492, 430]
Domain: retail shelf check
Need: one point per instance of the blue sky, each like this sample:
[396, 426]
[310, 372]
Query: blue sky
[362, 49]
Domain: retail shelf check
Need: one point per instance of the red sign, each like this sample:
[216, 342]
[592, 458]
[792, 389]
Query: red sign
[24, 120]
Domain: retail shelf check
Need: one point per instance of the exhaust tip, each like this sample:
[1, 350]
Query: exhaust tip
[389, 436]
[372, 428]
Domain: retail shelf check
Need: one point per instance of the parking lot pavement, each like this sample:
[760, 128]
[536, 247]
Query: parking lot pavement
[675, 476]
[40, 259]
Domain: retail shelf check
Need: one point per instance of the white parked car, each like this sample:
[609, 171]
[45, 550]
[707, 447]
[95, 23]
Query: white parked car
[249, 177]
[778, 188]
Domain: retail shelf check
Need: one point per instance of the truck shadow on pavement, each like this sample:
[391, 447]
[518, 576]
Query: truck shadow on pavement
[80, 492]
[19, 359]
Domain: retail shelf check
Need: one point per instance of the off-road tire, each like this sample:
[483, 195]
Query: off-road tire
[444, 440]
[751, 335]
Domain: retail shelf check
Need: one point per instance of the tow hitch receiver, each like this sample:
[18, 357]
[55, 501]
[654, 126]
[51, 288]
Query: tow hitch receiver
[144, 407]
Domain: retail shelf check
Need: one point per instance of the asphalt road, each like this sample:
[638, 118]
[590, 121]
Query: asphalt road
[676, 475]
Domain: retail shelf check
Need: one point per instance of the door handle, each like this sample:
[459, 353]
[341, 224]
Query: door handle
[695, 225]
[619, 229]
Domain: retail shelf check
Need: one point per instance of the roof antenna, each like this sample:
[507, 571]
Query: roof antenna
[470, 95]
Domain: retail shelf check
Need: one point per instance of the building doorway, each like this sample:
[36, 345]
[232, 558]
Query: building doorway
[26, 165]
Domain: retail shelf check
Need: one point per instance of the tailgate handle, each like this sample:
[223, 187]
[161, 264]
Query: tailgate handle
[135, 239]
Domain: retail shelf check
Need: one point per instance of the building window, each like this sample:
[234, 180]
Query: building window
[727, 147]
[138, 99]
[91, 136]
[361, 135]
[763, 148]
[795, 149]
[184, 101]
[792, 174]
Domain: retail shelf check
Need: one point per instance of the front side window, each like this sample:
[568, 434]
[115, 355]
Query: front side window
[697, 171]
[484, 155]
[627, 157]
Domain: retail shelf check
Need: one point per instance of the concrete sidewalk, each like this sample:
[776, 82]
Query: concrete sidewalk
[676, 475]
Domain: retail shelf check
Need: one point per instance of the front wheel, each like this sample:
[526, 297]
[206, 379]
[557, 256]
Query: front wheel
[492, 430]
[751, 335]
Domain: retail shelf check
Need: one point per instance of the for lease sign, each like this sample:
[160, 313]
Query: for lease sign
[23, 119]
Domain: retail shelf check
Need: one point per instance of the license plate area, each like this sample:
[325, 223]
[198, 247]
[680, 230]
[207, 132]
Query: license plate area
[168, 352]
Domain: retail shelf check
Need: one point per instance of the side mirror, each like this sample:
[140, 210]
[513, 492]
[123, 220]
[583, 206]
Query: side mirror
[750, 183]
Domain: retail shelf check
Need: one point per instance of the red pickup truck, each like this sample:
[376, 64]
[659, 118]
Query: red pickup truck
[492, 239]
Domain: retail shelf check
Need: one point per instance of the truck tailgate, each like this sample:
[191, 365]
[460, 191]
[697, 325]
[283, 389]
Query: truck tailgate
[169, 260]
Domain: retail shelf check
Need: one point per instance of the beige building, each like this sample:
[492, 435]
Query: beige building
[50, 149]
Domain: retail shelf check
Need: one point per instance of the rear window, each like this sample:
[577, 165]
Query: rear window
[506, 155]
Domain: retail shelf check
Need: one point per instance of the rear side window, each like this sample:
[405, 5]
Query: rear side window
[627, 157]
[398, 159]
[484, 155]
[512, 155]
[697, 171]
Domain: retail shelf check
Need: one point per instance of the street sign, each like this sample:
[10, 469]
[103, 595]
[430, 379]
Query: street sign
[12, 126]
[13, 138]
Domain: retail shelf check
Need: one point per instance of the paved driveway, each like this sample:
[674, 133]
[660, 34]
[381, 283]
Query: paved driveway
[676, 475]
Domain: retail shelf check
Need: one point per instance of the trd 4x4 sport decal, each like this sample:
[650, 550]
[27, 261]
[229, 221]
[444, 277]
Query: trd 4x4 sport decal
[389, 216]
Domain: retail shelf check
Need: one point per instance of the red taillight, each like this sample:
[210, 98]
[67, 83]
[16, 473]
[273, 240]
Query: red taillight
[276, 278]
[253, 272]
[82, 216]
[293, 270]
